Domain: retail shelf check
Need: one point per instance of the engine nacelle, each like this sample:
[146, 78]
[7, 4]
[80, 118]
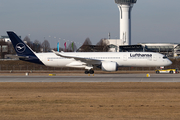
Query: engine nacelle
[109, 66]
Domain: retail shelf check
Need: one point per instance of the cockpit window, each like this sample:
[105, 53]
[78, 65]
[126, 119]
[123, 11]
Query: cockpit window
[164, 57]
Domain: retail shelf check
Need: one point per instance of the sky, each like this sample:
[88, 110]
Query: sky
[75, 20]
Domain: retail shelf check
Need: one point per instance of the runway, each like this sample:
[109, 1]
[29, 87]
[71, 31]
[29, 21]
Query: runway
[95, 78]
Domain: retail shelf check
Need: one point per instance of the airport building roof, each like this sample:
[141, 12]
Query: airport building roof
[6, 38]
[158, 44]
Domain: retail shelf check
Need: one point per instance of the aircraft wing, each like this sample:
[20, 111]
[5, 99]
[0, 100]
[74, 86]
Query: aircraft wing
[86, 60]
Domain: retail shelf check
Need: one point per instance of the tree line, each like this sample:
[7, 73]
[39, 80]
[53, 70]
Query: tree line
[101, 46]
[37, 46]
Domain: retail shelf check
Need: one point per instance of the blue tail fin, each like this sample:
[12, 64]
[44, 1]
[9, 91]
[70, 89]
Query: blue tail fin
[22, 50]
[20, 47]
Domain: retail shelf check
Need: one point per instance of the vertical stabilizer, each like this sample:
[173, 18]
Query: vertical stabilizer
[23, 51]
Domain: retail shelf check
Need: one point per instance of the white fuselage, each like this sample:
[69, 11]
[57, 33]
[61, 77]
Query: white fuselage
[107, 61]
[132, 59]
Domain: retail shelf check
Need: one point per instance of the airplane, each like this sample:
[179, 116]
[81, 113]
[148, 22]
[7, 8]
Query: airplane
[107, 61]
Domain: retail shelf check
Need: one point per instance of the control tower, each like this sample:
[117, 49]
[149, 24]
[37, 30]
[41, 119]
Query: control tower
[125, 7]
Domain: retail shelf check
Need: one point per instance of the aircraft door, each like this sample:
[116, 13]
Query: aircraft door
[125, 57]
[154, 57]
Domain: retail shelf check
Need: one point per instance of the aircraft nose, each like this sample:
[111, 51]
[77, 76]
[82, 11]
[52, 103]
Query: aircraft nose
[169, 62]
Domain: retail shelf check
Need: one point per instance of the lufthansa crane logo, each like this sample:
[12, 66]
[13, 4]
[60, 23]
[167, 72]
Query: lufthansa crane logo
[20, 47]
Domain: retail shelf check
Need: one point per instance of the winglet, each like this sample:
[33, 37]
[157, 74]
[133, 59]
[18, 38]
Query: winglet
[57, 53]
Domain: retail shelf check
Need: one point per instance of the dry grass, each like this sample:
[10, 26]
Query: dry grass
[89, 101]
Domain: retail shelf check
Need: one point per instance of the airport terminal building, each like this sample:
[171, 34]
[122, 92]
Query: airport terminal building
[168, 49]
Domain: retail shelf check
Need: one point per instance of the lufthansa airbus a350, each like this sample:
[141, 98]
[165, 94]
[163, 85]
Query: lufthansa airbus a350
[107, 61]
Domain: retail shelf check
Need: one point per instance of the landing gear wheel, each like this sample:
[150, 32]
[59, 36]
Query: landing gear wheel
[89, 71]
[86, 72]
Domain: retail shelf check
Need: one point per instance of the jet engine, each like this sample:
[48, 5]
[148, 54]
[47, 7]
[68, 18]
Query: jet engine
[109, 66]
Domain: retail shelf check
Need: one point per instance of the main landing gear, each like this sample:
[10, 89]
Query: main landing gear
[89, 72]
